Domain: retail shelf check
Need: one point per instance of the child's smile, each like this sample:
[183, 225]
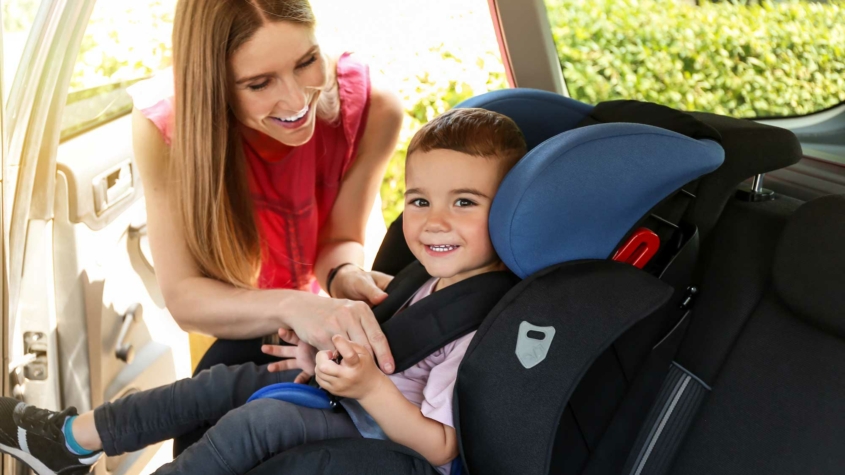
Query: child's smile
[440, 250]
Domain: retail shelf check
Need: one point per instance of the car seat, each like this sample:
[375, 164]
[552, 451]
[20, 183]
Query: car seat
[604, 424]
[641, 165]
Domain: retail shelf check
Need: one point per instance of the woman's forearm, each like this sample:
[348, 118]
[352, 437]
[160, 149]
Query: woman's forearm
[204, 305]
[332, 254]
[404, 424]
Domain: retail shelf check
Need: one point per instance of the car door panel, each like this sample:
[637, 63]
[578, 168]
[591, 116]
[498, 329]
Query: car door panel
[106, 282]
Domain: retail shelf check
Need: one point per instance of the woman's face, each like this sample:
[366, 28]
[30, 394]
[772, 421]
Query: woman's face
[275, 80]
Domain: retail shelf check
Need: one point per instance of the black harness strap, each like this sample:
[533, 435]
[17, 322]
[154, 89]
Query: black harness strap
[443, 316]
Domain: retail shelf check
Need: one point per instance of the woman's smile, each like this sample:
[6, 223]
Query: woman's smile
[295, 121]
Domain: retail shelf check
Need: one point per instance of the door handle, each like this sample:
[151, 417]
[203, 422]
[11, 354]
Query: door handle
[112, 186]
[122, 350]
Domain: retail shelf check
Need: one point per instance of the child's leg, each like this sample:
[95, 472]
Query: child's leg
[141, 419]
[48, 441]
[254, 432]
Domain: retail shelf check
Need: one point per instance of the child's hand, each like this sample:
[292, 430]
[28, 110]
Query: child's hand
[357, 374]
[302, 356]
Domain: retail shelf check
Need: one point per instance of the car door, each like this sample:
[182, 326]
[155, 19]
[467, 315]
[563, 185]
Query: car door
[86, 321]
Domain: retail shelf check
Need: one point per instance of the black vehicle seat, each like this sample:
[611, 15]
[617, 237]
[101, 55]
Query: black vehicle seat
[772, 351]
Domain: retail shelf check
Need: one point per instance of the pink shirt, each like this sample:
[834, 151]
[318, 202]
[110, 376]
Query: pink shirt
[293, 189]
[430, 383]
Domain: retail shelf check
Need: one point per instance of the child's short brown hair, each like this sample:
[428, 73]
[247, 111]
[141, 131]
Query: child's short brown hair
[476, 132]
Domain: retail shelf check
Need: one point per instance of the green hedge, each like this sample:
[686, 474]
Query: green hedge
[755, 60]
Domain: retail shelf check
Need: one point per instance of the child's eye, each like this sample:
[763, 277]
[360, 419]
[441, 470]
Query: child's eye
[258, 87]
[419, 202]
[307, 62]
[463, 202]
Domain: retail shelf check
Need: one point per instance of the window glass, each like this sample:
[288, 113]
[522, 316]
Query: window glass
[434, 54]
[123, 43]
[744, 59]
[18, 16]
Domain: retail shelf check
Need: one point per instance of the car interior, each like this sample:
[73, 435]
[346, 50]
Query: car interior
[710, 380]
[696, 324]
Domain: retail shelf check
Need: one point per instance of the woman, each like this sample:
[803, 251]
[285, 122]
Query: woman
[259, 175]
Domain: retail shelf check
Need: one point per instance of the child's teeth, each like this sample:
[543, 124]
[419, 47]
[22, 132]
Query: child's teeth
[442, 248]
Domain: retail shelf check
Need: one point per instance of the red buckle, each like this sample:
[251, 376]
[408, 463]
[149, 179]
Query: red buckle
[640, 248]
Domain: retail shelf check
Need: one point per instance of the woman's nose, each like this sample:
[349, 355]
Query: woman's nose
[291, 97]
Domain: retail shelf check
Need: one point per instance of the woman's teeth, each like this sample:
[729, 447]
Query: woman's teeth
[442, 248]
[294, 118]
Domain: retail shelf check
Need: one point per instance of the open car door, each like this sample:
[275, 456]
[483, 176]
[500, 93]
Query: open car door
[85, 322]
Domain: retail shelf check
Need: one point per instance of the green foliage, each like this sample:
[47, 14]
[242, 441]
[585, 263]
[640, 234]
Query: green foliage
[18, 15]
[744, 60]
[124, 42]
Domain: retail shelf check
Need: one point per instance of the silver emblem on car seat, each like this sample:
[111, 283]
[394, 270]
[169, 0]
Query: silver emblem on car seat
[533, 344]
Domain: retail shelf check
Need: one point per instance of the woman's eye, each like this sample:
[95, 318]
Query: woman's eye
[419, 202]
[258, 87]
[463, 202]
[308, 62]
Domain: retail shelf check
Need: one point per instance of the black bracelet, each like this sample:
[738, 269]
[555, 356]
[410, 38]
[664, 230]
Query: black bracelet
[333, 273]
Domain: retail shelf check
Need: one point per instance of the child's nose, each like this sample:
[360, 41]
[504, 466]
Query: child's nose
[437, 222]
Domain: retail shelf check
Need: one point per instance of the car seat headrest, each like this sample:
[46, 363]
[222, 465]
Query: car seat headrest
[578, 194]
[540, 115]
[809, 265]
[750, 148]
[648, 113]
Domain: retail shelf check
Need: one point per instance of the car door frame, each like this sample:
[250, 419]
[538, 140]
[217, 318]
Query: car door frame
[31, 136]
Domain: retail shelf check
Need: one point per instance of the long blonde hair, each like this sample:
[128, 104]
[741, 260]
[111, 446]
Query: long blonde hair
[208, 165]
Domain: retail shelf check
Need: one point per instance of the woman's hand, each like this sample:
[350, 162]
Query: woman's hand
[354, 283]
[302, 356]
[316, 320]
[355, 377]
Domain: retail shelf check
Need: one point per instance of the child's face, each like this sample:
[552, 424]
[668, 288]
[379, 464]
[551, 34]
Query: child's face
[447, 203]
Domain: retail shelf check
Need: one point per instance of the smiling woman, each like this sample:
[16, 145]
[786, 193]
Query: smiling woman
[259, 173]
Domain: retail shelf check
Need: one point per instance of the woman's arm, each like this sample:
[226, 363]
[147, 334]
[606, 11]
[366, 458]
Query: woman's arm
[358, 377]
[208, 306]
[342, 238]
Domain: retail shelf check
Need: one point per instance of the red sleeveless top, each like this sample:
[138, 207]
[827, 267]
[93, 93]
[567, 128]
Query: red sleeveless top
[294, 189]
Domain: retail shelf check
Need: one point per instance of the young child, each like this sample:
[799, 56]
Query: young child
[453, 169]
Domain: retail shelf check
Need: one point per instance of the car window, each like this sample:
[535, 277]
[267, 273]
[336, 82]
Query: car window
[748, 59]
[124, 42]
[434, 54]
[18, 17]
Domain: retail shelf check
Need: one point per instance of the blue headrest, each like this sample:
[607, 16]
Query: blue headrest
[540, 115]
[579, 193]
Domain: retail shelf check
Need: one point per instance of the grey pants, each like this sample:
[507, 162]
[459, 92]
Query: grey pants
[243, 435]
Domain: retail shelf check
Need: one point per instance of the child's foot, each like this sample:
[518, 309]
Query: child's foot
[34, 436]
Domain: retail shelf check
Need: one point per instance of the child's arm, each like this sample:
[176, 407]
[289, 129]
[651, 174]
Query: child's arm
[359, 378]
